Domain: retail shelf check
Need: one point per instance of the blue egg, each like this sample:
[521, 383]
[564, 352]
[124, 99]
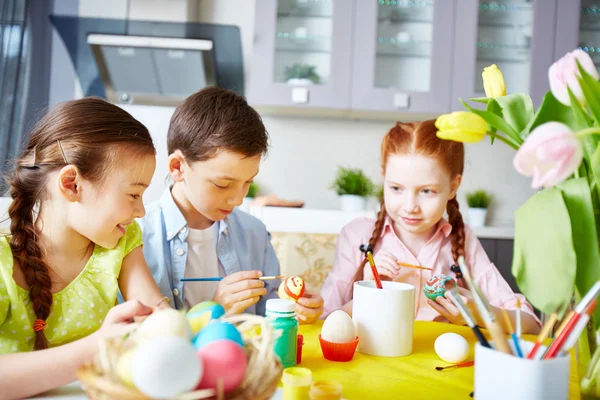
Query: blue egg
[216, 310]
[217, 330]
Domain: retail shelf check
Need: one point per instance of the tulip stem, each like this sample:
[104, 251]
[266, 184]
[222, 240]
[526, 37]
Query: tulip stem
[588, 131]
[503, 139]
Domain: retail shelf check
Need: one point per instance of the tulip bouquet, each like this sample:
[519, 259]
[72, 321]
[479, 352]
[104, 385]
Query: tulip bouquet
[556, 254]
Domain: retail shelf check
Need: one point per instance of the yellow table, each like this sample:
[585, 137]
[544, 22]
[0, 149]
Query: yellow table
[412, 377]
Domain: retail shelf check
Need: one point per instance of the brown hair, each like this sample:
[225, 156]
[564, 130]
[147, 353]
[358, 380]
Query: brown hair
[213, 119]
[420, 138]
[87, 133]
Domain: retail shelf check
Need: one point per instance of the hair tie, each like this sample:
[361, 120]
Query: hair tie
[456, 269]
[366, 248]
[39, 325]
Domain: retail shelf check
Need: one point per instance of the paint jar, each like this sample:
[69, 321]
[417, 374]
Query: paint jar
[296, 383]
[281, 315]
[325, 390]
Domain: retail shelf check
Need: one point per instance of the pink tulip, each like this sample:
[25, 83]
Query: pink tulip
[564, 73]
[551, 153]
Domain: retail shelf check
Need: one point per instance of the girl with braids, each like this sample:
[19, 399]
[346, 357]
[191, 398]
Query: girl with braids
[422, 174]
[73, 243]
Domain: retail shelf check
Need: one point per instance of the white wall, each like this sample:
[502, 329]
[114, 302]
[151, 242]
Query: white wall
[305, 152]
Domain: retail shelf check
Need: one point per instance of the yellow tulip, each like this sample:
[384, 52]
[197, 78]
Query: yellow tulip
[493, 82]
[461, 126]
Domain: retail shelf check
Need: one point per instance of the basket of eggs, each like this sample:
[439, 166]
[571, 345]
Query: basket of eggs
[199, 355]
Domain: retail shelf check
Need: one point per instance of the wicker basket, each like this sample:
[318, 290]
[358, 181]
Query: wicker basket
[100, 381]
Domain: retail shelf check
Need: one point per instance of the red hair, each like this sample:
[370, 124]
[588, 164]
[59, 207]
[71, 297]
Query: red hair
[420, 138]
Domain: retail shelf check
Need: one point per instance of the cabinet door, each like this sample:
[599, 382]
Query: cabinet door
[579, 27]
[301, 54]
[504, 256]
[516, 35]
[402, 55]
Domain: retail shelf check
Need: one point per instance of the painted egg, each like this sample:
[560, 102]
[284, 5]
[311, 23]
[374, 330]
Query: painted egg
[164, 367]
[125, 366]
[216, 310]
[437, 285]
[291, 288]
[163, 322]
[338, 328]
[217, 330]
[224, 360]
[451, 347]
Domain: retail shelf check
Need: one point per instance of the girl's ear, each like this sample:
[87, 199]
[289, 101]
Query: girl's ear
[69, 183]
[454, 185]
[176, 163]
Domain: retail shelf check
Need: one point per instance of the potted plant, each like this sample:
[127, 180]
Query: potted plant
[301, 74]
[353, 187]
[478, 202]
[557, 230]
[252, 192]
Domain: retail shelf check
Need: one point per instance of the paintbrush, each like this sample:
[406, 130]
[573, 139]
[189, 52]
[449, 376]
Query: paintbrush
[219, 278]
[466, 314]
[543, 335]
[485, 311]
[407, 265]
[459, 365]
[367, 250]
[512, 333]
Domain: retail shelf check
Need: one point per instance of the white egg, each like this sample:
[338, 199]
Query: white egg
[451, 347]
[338, 328]
[165, 322]
[164, 367]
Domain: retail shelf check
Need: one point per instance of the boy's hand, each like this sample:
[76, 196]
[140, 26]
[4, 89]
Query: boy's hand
[240, 290]
[309, 308]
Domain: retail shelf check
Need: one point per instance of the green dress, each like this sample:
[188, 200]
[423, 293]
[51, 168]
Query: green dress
[77, 311]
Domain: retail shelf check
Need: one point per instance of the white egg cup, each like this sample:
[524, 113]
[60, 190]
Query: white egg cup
[384, 318]
[504, 376]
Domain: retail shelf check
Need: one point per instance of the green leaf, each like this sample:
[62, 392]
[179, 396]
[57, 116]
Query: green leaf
[494, 107]
[483, 100]
[544, 262]
[581, 117]
[517, 110]
[578, 199]
[498, 123]
[551, 110]
[591, 92]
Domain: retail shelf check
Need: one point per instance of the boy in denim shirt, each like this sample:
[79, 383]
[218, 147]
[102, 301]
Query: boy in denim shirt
[215, 143]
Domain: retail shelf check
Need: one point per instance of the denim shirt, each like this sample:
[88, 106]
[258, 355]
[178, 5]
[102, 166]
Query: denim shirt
[243, 244]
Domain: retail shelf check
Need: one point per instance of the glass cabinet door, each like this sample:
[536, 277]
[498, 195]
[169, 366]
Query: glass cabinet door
[513, 34]
[301, 53]
[402, 54]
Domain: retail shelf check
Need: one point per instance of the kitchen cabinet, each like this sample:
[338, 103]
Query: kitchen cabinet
[578, 27]
[500, 252]
[514, 35]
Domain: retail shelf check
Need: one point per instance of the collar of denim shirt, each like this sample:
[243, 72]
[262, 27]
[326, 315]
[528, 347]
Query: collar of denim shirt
[175, 221]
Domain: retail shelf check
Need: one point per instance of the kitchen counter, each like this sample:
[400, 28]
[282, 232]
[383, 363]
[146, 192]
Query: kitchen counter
[306, 220]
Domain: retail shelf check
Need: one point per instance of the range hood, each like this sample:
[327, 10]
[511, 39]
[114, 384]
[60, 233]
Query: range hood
[152, 63]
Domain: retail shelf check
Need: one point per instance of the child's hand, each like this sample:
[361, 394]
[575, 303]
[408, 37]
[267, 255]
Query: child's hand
[118, 320]
[386, 266]
[240, 290]
[309, 308]
[447, 309]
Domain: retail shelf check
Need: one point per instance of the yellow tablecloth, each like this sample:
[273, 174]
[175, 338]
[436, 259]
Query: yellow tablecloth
[412, 377]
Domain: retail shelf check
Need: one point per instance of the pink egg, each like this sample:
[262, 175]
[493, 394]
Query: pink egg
[222, 359]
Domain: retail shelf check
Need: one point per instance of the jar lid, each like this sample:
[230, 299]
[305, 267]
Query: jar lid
[281, 305]
[297, 376]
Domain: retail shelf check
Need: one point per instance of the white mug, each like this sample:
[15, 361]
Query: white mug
[504, 376]
[384, 318]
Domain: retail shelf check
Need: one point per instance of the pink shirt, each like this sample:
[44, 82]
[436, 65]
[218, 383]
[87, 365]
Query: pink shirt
[436, 254]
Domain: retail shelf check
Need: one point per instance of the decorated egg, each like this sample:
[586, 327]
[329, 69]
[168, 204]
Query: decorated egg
[163, 322]
[217, 330]
[451, 347]
[198, 320]
[338, 328]
[216, 310]
[164, 367]
[224, 360]
[124, 367]
[291, 288]
[437, 285]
